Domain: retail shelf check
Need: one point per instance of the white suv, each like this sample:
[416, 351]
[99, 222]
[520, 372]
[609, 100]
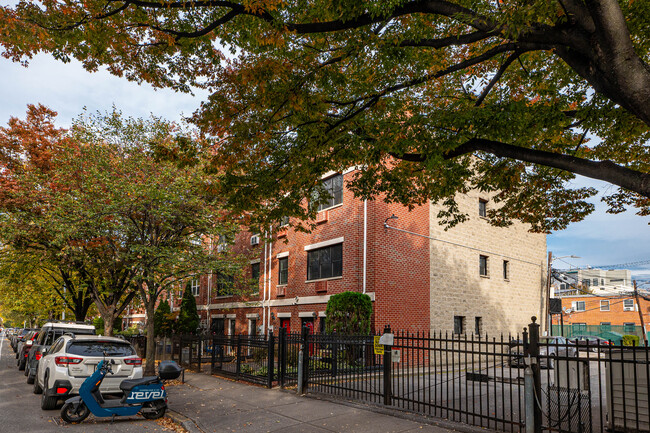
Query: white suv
[71, 359]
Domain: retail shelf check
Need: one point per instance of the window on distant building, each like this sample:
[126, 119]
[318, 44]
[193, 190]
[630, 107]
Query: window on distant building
[483, 266]
[459, 324]
[283, 270]
[605, 326]
[325, 262]
[579, 328]
[604, 305]
[602, 281]
[506, 270]
[334, 187]
[578, 305]
[628, 305]
[482, 207]
[563, 286]
[586, 282]
[629, 327]
[594, 281]
[225, 284]
[196, 287]
[478, 325]
[284, 221]
[255, 271]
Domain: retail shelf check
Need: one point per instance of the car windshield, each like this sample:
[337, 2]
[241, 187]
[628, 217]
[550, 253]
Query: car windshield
[99, 348]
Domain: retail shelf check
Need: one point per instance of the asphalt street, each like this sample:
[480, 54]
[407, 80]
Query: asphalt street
[20, 409]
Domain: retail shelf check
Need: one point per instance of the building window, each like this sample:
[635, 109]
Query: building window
[283, 270]
[579, 328]
[284, 221]
[459, 324]
[225, 284]
[506, 270]
[255, 272]
[334, 187]
[578, 306]
[628, 305]
[325, 262]
[478, 325]
[594, 281]
[629, 328]
[604, 305]
[482, 208]
[196, 287]
[605, 326]
[483, 266]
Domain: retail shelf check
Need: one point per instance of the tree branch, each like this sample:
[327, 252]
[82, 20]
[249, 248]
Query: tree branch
[497, 76]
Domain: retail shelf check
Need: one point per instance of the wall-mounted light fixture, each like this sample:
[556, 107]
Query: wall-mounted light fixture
[392, 217]
[272, 316]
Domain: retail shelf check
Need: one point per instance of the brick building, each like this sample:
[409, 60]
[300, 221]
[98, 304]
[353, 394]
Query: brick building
[595, 315]
[471, 278]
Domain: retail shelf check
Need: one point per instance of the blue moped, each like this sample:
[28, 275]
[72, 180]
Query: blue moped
[146, 395]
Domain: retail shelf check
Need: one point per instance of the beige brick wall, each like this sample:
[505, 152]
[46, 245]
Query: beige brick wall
[457, 289]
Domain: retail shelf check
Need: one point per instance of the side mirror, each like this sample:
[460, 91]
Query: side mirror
[29, 342]
[44, 352]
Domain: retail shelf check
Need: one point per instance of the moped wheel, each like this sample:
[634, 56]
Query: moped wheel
[159, 412]
[69, 414]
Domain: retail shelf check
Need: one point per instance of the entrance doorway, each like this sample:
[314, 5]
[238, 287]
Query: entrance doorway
[286, 323]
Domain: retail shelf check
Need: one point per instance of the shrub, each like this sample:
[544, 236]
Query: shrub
[188, 318]
[630, 340]
[349, 313]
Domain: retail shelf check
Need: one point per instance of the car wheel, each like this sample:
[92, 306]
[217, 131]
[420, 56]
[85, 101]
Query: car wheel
[26, 368]
[21, 364]
[47, 402]
[37, 388]
[31, 376]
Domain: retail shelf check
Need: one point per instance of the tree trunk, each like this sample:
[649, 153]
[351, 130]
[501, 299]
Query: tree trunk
[150, 367]
[109, 320]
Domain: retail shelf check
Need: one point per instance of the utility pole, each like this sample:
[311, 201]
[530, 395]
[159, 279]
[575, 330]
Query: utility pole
[548, 293]
[638, 306]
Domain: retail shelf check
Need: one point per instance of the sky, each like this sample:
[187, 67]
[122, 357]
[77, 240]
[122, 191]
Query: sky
[601, 239]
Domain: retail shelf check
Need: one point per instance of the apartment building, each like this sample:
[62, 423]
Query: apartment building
[621, 312]
[472, 278]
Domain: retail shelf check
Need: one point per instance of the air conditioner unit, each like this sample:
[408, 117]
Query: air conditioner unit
[255, 240]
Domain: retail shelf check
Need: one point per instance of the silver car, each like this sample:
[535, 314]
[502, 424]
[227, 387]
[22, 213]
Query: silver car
[551, 348]
[71, 359]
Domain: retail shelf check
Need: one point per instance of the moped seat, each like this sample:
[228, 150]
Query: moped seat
[129, 384]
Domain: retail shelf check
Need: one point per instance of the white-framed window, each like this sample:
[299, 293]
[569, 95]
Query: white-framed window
[578, 305]
[196, 287]
[604, 305]
[483, 266]
[628, 305]
[334, 187]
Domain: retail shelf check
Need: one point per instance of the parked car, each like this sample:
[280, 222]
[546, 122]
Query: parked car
[590, 342]
[553, 347]
[20, 336]
[24, 349]
[71, 359]
[48, 334]
[516, 353]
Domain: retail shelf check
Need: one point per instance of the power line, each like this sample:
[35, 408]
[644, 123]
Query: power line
[623, 265]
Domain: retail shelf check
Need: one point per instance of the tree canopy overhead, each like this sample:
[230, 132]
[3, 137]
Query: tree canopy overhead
[431, 98]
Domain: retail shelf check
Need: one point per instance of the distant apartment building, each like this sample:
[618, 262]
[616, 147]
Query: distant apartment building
[596, 281]
[472, 278]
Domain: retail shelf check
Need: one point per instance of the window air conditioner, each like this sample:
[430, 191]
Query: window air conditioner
[255, 240]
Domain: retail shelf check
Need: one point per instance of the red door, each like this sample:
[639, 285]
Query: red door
[286, 323]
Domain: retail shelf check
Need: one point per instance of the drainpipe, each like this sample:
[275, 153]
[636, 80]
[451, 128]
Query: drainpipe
[264, 290]
[268, 306]
[365, 242]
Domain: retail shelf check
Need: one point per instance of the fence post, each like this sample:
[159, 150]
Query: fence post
[213, 355]
[335, 354]
[533, 351]
[200, 351]
[387, 369]
[180, 349]
[282, 355]
[189, 352]
[271, 359]
[238, 354]
[305, 358]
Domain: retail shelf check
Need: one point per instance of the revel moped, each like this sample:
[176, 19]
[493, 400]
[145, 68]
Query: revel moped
[146, 395]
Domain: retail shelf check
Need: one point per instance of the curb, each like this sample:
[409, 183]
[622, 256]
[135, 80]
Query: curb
[184, 422]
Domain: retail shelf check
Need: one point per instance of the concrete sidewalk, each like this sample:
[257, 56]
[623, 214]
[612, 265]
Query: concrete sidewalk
[210, 404]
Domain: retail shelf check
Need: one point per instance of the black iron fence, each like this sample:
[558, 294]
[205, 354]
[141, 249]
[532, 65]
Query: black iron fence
[591, 386]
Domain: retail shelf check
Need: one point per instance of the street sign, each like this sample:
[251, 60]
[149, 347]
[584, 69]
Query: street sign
[379, 348]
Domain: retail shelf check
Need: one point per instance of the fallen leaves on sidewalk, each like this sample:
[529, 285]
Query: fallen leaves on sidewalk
[168, 424]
